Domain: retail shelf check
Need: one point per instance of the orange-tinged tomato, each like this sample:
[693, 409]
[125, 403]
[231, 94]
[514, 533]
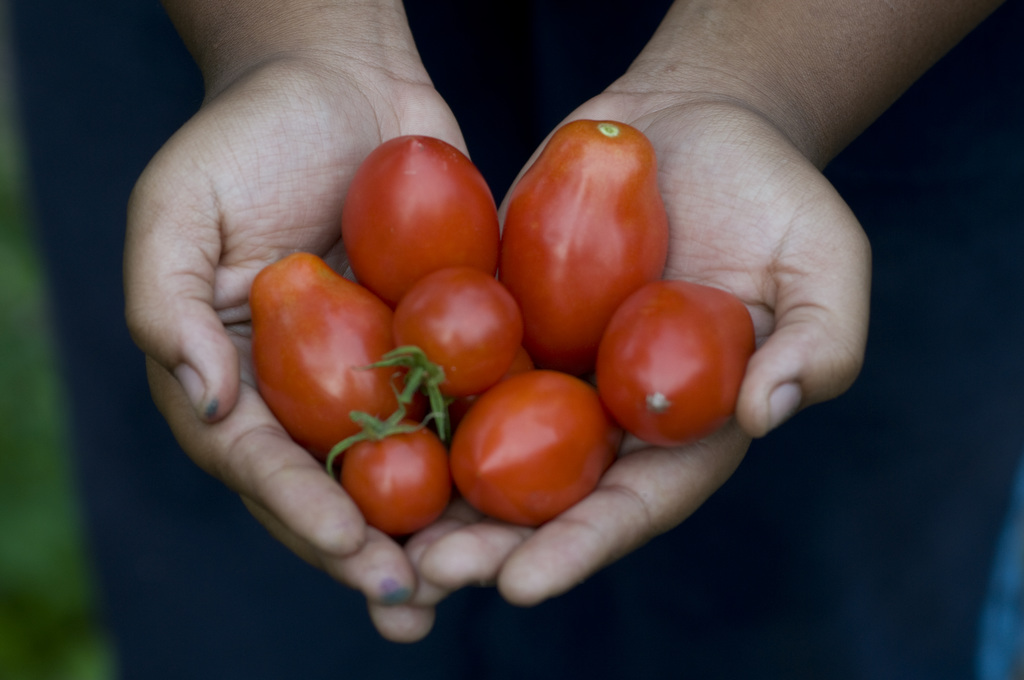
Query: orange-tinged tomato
[532, 446]
[672, 360]
[415, 205]
[313, 331]
[584, 228]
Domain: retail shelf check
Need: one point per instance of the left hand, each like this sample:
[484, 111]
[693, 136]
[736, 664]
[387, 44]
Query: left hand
[750, 214]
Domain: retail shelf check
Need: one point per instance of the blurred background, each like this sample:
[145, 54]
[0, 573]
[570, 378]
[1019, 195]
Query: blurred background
[48, 623]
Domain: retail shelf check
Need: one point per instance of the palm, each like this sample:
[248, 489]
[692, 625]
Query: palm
[272, 157]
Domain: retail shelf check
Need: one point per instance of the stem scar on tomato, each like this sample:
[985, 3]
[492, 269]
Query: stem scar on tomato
[658, 403]
[608, 129]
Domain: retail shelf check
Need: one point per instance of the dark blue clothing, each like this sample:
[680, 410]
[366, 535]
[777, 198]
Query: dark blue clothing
[853, 543]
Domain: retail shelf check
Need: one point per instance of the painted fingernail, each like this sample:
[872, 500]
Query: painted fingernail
[195, 390]
[783, 403]
[392, 592]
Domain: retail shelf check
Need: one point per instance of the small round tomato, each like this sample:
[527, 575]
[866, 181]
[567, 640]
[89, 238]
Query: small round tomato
[313, 332]
[466, 323]
[584, 228]
[417, 204]
[671, 361]
[532, 446]
[400, 483]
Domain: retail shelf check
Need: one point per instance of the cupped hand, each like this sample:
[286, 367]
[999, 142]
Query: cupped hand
[259, 172]
[750, 214]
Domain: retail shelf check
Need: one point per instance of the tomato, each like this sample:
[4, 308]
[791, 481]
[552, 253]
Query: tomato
[312, 332]
[532, 446]
[457, 409]
[585, 227]
[465, 322]
[417, 204]
[400, 483]
[672, 359]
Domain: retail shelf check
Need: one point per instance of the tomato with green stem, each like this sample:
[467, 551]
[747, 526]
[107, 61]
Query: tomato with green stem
[396, 472]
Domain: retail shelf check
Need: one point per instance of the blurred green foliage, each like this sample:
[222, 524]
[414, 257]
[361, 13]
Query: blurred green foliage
[47, 628]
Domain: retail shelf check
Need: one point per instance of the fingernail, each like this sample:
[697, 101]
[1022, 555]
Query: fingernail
[783, 403]
[392, 592]
[195, 390]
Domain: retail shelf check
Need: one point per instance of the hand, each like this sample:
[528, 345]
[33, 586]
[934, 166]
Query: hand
[750, 214]
[259, 172]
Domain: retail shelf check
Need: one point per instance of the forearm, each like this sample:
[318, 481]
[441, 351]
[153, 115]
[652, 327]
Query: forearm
[821, 70]
[228, 37]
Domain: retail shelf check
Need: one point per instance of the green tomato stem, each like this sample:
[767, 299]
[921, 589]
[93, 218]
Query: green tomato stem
[422, 375]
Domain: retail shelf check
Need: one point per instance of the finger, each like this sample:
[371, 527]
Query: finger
[254, 457]
[171, 252]
[412, 620]
[402, 623]
[641, 496]
[283, 534]
[379, 570]
[471, 555]
[458, 515]
[816, 349]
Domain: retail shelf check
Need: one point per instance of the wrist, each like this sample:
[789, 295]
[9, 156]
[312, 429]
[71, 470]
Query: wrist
[818, 70]
[230, 39]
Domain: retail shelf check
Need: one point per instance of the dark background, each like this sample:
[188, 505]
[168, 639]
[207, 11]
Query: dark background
[854, 542]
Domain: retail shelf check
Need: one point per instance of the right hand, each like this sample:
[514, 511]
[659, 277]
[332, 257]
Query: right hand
[261, 171]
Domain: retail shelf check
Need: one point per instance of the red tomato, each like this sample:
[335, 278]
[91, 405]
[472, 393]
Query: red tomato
[415, 205]
[465, 322]
[312, 332]
[532, 446]
[459, 406]
[672, 359]
[585, 227]
[400, 483]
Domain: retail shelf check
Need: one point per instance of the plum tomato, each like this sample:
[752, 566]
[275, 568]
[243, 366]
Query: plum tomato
[532, 446]
[671, 361]
[313, 331]
[400, 483]
[584, 228]
[417, 204]
[466, 323]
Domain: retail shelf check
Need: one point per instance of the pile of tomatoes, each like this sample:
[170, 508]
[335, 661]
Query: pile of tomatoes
[459, 355]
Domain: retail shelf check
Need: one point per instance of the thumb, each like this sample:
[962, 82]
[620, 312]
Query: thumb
[170, 260]
[816, 349]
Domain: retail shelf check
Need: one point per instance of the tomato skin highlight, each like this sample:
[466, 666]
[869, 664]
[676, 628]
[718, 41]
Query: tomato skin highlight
[466, 322]
[672, 359]
[415, 205]
[532, 446]
[584, 228]
[312, 332]
[400, 483]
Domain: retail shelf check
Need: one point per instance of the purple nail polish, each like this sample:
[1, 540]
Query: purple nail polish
[393, 592]
[211, 408]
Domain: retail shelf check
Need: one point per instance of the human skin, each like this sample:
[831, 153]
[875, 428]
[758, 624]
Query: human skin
[745, 103]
